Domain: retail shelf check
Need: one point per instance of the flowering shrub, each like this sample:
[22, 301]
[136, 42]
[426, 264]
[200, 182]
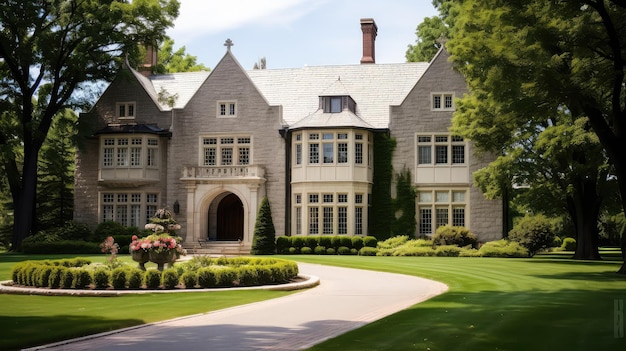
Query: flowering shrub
[110, 246]
[158, 243]
[163, 239]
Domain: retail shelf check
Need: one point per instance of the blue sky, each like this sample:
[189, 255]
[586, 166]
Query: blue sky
[295, 33]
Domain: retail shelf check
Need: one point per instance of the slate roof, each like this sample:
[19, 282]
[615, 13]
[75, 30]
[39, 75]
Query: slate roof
[182, 85]
[374, 88]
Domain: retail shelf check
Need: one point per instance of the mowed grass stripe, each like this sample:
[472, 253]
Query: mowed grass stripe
[494, 304]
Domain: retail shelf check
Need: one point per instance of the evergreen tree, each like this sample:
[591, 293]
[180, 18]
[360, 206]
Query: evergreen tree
[264, 240]
[55, 190]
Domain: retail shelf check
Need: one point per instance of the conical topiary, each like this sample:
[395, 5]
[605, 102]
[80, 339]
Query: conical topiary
[263, 242]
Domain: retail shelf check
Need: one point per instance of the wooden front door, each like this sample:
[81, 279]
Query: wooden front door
[230, 219]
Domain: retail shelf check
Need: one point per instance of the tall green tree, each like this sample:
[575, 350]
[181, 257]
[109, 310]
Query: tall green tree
[55, 189]
[527, 60]
[170, 61]
[431, 34]
[50, 52]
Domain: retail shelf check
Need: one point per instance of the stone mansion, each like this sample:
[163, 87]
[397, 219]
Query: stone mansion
[210, 145]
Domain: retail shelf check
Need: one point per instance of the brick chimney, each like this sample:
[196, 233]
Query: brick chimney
[149, 64]
[369, 29]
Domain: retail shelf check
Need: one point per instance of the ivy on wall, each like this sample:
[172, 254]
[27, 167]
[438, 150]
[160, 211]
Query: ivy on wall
[405, 222]
[381, 215]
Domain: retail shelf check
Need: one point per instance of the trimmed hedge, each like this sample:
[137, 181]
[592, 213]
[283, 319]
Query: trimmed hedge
[61, 246]
[207, 273]
[323, 244]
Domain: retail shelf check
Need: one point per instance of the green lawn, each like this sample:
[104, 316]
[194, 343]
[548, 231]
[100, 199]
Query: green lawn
[545, 303]
[34, 320]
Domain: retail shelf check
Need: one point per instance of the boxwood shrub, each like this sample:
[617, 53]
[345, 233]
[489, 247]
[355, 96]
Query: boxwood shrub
[169, 278]
[119, 278]
[343, 250]
[135, 278]
[189, 279]
[207, 278]
[152, 279]
[306, 250]
[368, 251]
[101, 278]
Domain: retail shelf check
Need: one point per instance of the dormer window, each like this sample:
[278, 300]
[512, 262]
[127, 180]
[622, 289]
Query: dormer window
[125, 110]
[336, 104]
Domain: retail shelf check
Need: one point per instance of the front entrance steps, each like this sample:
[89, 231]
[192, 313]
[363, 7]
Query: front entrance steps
[218, 248]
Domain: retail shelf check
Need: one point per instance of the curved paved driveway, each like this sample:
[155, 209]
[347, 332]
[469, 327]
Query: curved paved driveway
[346, 299]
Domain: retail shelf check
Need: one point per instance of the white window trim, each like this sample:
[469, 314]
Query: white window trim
[350, 141]
[143, 203]
[144, 147]
[218, 147]
[433, 150]
[126, 104]
[350, 205]
[450, 205]
[442, 96]
[227, 103]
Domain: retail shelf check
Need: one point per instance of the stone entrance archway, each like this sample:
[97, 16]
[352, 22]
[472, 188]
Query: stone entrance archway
[226, 218]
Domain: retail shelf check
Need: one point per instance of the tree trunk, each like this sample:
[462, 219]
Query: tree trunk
[584, 207]
[619, 162]
[24, 212]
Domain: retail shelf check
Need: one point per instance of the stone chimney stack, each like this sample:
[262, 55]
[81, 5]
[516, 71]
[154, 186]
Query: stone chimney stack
[149, 64]
[369, 29]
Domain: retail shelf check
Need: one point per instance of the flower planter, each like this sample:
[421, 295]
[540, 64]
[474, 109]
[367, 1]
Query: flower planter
[141, 257]
[163, 257]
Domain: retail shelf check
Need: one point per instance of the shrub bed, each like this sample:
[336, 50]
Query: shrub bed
[402, 246]
[323, 244]
[199, 271]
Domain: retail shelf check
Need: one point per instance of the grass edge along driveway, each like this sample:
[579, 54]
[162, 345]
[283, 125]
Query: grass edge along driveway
[34, 320]
[495, 304]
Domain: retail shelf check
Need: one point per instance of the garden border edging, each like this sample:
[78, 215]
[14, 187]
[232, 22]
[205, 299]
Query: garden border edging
[6, 288]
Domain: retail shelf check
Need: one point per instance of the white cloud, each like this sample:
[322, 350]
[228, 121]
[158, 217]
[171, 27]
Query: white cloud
[201, 17]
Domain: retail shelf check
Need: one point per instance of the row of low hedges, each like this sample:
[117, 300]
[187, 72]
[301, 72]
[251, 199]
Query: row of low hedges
[61, 246]
[76, 238]
[323, 244]
[220, 273]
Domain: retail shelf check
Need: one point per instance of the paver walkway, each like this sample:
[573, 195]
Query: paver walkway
[346, 299]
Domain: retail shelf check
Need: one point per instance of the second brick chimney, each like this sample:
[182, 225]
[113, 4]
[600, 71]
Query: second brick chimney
[149, 64]
[369, 29]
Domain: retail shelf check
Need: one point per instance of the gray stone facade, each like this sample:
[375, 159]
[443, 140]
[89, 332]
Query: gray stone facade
[192, 133]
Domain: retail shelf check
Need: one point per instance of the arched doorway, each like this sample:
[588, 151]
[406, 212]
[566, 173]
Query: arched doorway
[226, 218]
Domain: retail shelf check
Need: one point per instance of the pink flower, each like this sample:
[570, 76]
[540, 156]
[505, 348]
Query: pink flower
[134, 237]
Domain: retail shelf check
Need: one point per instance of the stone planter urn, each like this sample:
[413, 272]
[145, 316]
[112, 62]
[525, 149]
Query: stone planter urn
[163, 257]
[141, 257]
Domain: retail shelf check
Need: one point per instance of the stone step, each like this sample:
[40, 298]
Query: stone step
[218, 248]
